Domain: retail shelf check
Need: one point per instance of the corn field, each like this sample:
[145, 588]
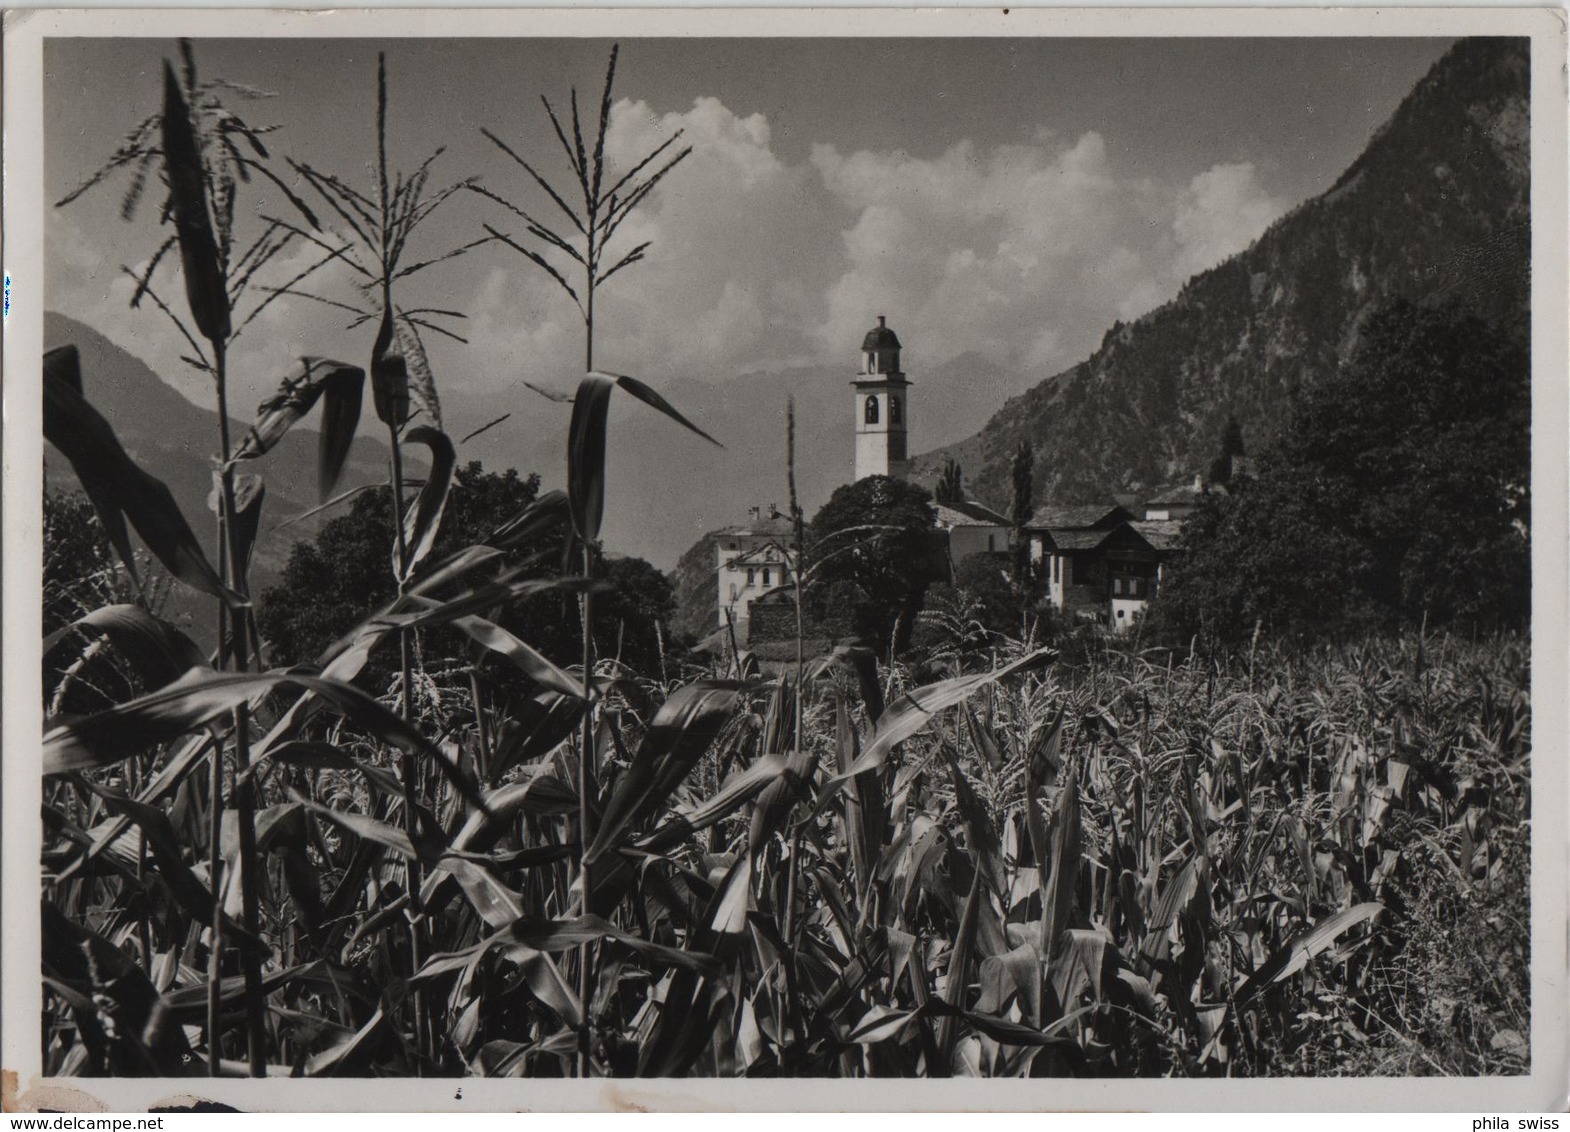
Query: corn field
[995, 860]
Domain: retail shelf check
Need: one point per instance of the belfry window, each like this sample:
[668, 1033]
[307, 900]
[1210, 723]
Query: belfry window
[872, 410]
[894, 410]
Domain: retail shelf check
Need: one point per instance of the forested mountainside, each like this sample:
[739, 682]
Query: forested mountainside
[1436, 207]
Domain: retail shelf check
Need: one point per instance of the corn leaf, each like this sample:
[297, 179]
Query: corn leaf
[737, 790]
[980, 832]
[777, 799]
[561, 935]
[1295, 954]
[421, 381]
[537, 726]
[678, 735]
[205, 289]
[531, 663]
[350, 1056]
[423, 517]
[189, 892]
[249, 494]
[916, 709]
[586, 439]
[296, 396]
[117, 733]
[1057, 899]
[543, 515]
[342, 393]
[159, 651]
[118, 488]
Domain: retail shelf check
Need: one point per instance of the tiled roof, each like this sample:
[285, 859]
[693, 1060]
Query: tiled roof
[1078, 517]
[768, 554]
[967, 513]
[1073, 539]
[1161, 534]
[1184, 494]
[779, 527]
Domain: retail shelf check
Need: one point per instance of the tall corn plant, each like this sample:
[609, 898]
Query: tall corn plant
[378, 224]
[582, 250]
[205, 151]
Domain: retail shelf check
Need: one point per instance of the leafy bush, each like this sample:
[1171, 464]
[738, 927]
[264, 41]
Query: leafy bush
[1396, 495]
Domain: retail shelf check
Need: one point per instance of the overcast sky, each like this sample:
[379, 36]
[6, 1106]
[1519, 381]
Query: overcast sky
[1007, 196]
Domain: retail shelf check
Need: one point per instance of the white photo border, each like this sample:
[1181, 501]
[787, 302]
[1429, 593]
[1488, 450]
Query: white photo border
[1546, 1088]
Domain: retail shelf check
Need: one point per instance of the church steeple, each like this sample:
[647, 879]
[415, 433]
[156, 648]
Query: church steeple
[880, 350]
[881, 405]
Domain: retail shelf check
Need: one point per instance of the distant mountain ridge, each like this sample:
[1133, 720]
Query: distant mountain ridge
[666, 488]
[1436, 207]
[177, 441]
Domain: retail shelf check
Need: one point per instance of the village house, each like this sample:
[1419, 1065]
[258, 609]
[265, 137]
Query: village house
[971, 529]
[1100, 562]
[1106, 562]
[1178, 503]
[752, 559]
[1065, 553]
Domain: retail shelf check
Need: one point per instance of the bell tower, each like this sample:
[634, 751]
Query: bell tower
[882, 406]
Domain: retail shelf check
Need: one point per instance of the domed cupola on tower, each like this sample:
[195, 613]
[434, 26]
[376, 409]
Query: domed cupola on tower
[880, 349]
[882, 406]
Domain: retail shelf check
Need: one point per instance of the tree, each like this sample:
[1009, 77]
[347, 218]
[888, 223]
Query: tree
[951, 483]
[331, 583]
[630, 618]
[984, 579]
[80, 574]
[1397, 493]
[1223, 468]
[878, 534]
[1022, 472]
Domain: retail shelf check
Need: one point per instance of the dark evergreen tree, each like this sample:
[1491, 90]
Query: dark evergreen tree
[1223, 468]
[1022, 474]
[951, 483]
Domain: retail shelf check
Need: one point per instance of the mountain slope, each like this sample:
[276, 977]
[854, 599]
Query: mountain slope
[1436, 207]
[178, 442]
[666, 488]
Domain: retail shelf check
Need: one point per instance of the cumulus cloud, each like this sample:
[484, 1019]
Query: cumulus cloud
[730, 283]
[1223, 211]
[1024, 253]
[86, 281]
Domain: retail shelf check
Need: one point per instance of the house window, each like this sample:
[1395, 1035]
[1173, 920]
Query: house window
[991, 543]
[872, 410]
[894, 410]
[765, 576]
[752, 576]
